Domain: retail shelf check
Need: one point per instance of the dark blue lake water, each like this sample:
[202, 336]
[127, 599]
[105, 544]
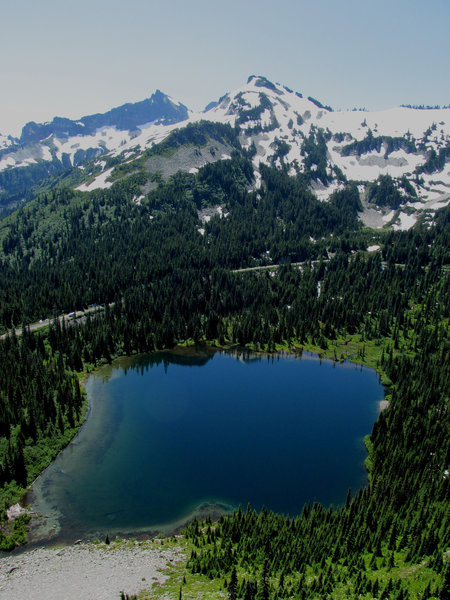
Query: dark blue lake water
[169, 434]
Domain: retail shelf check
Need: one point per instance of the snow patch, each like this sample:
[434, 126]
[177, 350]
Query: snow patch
[206, 214]
[98, 183]
[406, 222]
[389, 216]
[323, 192]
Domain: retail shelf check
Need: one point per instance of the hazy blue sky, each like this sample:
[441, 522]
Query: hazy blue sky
[71, 58]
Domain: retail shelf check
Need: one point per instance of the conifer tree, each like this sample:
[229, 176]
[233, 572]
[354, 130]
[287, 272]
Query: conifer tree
[232, 586]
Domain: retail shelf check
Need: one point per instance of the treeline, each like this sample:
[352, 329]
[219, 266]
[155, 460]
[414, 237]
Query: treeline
[370, 143]
[424, 107]
[386, 191]
[187, 299]
[400, 519]
[169, 282]
[41, 408]
[402, 514]
[66, 250]
[436, 161]
[197, 134]
[190, 300]
[18, 185]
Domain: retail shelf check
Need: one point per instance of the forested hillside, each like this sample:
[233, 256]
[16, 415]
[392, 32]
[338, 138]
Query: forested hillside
[168, 275]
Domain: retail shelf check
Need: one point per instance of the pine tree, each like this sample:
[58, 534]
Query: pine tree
[264, 586]
[232, 586]
[444, 593]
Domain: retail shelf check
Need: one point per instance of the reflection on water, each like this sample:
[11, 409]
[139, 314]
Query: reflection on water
[173, 434]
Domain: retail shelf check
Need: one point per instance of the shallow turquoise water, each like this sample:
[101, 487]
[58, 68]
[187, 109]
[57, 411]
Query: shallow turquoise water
[169, 433]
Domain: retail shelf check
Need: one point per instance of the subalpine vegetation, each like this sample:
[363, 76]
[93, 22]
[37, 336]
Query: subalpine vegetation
[166, 278]
[400, 519]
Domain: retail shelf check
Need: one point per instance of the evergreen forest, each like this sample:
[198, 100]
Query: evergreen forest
[272, 270]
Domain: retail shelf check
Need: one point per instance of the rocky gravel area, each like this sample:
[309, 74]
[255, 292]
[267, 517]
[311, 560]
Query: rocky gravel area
[83, 571]
[186, 158]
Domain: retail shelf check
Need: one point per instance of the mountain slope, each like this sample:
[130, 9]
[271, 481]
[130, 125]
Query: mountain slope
[48, 149]
[408, 147]
[220, 256]
[398, 157]
[159, 108]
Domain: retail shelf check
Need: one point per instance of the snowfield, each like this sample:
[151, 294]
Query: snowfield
[406, 221]
[98, 183]
[269, 114]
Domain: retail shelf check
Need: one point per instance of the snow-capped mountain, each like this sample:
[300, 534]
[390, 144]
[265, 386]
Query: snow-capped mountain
[71, 143]
[158, 109]
[282, 128]
[302, 134]
[5, 141]
[269, 112]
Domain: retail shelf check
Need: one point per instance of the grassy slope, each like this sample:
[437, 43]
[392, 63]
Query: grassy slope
[414, 577]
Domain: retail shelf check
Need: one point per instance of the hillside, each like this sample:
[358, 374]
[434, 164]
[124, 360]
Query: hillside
[221, 231]
[50, 149]
[404, 151]
[283, 128]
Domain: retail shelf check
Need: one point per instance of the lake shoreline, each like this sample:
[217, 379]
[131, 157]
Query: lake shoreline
[43, 534]
[189, 350]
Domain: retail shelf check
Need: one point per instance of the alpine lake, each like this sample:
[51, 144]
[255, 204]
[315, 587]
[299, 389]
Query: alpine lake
[197, 432]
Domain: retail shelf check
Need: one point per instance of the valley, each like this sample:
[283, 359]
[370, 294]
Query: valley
[187, 231]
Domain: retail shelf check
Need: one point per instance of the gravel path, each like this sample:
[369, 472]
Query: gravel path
[82, 572]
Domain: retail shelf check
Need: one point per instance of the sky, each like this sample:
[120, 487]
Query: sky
[72, 58]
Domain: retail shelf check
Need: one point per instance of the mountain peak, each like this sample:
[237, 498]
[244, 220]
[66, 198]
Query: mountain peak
[281, 127]
[261, 81]
[159, 108]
